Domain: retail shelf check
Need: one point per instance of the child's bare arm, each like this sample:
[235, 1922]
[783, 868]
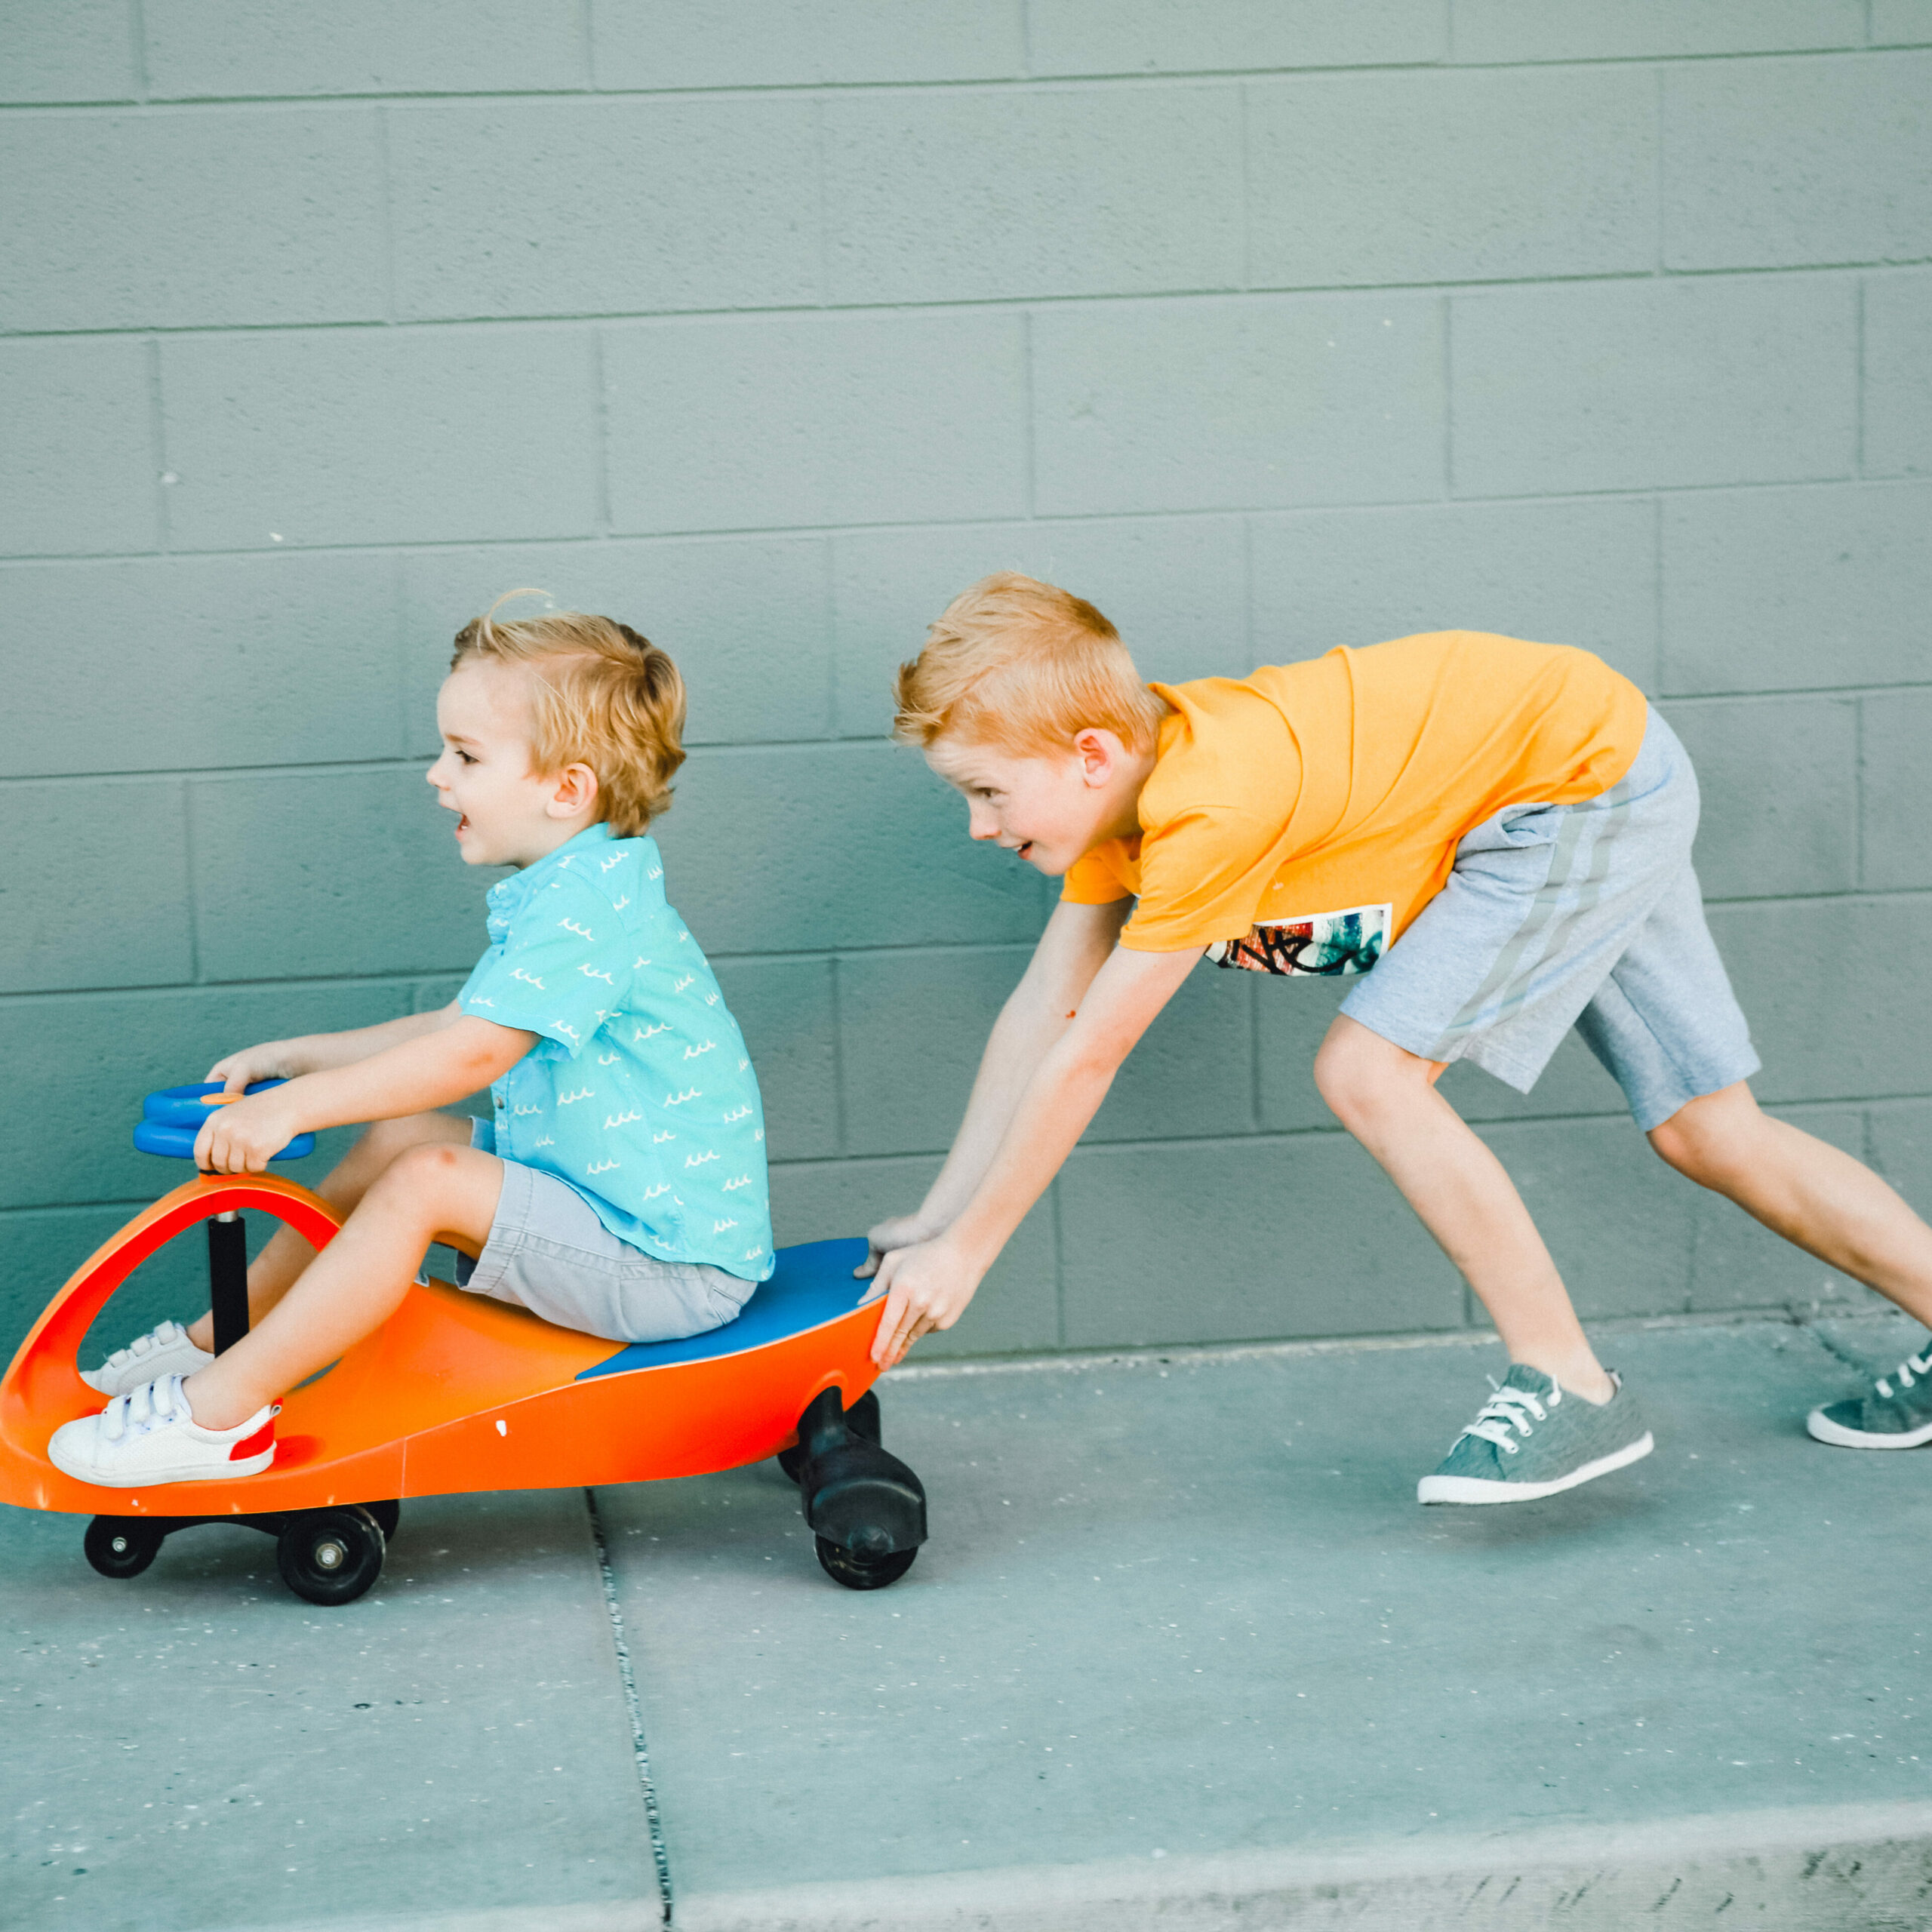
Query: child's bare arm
[928, 1286]
[413, 1075]
[286, 1060]
[1074, 947]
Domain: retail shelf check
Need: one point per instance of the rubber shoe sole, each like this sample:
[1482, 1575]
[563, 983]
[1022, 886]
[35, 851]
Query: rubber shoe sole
[1821, 1428]
[1474, 1489]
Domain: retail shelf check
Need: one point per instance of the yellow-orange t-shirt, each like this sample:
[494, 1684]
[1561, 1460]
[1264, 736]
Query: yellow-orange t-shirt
[1305, 791]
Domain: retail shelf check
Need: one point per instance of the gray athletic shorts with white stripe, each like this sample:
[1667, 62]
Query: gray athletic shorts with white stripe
[1587, 915]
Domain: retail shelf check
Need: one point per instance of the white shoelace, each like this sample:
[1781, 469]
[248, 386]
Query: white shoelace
[153, 1405]
[159, 1337]
[1912, 1369]
[1510, 1409]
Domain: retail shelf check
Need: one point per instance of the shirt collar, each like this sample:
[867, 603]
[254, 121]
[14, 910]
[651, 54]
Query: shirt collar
[512, 891]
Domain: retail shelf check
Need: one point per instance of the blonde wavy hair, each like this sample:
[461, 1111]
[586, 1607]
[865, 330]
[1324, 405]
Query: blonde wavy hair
[600, 695]
[1024, 666]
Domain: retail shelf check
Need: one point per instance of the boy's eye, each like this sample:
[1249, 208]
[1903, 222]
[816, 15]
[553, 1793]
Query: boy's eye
[466, 757]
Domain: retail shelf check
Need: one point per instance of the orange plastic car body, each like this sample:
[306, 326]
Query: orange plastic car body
[454, 1393]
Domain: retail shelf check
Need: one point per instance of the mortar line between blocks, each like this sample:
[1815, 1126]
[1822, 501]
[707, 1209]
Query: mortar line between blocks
[137, 41]
[641, 1756]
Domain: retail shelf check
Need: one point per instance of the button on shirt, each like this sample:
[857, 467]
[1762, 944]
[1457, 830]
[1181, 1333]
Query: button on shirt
[638, 1092]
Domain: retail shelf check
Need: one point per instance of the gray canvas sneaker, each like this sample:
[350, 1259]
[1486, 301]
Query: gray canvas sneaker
[1531, 1439]
[1897, 1414]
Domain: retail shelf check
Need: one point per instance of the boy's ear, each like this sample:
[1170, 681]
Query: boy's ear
[1100, 751]
[576, 791]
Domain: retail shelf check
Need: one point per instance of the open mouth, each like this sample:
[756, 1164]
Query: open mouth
[462, 825]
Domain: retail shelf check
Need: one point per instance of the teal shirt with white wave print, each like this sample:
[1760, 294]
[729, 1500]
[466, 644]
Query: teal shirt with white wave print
[639, 1093]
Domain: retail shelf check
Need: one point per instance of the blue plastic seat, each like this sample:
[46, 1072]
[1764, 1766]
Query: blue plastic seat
[812, 1284]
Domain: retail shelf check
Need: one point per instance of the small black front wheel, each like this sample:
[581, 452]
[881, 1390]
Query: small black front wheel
[121, 1545]
[331, 1556]
[387, 1516]
[860, 1571]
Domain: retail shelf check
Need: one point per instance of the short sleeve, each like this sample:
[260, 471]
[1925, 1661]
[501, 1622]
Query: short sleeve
[1103, 877]
[1203, 874]
[560, 971]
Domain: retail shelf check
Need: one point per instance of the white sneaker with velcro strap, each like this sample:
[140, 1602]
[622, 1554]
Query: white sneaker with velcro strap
[164, 1349]
[150, 1435]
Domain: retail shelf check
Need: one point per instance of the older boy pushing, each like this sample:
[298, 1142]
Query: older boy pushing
[1502, 832]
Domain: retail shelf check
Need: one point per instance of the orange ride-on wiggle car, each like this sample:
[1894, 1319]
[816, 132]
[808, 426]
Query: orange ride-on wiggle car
[456, 1393]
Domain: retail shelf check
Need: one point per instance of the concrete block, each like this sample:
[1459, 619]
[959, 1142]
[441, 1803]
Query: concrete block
[1617, 1220]
[1291, 1018]
[1194, 1071]
[1184, 36]
[806, 43]
[575, 207]
[1237, 1240]
[164, 663]
[1244, 403]
[945, 197]
[1738, 1262]
[1900, 1145]
[1898, 375]
[84, 51]
[1647, 384]
[1435, 177]
[1834, 995]
[39, 1250]
[419, 436]
[745, 619]
[93, 1060]
[95, 892]
[1779, 163]
[1016, 1308]
[1561, 572]
[1175, 587]
[1778, 778]
[187, 221]
[815, 419]
[914, 1024]
[205, 49]
[1500, 30]
[1901, 23]
[78, 466]
[787, 1011]
[1895, 791]
[305, 875]
[1781, 589]
[807, 850]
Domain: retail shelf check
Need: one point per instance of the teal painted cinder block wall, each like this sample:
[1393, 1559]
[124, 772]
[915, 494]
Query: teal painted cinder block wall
[1268, 324]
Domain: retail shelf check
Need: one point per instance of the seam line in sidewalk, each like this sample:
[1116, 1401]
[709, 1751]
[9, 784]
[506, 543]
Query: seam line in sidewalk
[641, 1756]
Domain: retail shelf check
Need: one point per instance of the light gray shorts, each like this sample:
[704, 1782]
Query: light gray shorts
[549, 1252]
[1587, 915]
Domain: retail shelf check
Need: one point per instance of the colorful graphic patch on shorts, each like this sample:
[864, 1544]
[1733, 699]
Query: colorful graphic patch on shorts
[1327, 943]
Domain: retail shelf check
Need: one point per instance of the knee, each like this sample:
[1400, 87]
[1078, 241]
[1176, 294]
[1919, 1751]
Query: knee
[1699, 1142]
[420, 1176]
[1362, 1078]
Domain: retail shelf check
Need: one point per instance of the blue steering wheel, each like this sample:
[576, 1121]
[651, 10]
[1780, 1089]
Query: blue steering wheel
[171, 1118]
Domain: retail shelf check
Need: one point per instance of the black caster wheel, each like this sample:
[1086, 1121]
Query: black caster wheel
[862, 1418]
[387, 1516]
[121, 1545]
[859, 1571]
[331, 1556]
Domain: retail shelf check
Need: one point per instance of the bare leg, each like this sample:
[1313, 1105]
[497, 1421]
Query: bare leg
[273, 1272]
[1386, 1098]
[354, 1284]
[1816, 1195]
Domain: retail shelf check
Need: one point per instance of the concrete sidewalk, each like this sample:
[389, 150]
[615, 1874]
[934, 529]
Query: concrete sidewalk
[1182, 1651]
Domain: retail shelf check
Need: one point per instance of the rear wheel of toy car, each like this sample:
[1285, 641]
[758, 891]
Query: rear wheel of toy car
[387, 1516]
[860, 1571]
[331, 1556]
[121, 1545]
